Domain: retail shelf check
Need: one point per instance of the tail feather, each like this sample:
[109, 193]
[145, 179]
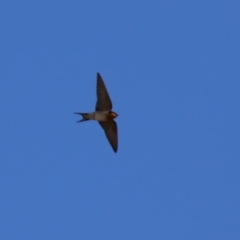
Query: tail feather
[84, 116]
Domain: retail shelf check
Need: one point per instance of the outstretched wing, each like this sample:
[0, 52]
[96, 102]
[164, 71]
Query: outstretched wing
[104, 102]
[111, 132]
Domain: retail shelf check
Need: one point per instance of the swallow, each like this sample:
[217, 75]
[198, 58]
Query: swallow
[103, 114]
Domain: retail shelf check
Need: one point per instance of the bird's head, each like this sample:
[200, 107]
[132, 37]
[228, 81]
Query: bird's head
[113, 114]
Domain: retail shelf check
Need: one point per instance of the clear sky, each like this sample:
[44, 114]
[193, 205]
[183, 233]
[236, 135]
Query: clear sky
[172, 69]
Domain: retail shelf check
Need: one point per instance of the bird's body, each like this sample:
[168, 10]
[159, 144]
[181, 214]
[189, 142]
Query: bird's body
[103, 114]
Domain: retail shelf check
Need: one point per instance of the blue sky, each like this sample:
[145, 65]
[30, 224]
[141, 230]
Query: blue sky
[172, 69]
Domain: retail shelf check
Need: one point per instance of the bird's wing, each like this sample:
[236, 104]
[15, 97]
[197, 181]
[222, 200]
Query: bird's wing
[104, 102]
[111, 132]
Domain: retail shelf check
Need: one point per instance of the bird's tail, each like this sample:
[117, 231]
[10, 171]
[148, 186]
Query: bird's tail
[85, 116]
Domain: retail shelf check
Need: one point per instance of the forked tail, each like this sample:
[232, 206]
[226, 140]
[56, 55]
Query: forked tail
[84, 117]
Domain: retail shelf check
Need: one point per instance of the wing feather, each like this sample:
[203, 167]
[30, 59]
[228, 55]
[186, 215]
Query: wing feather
[104, 102]
[111, 132]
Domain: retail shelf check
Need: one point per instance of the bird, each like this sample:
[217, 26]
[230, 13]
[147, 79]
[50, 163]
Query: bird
[103, 114]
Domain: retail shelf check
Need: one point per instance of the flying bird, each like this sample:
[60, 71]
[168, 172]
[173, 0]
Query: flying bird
[104, 114]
